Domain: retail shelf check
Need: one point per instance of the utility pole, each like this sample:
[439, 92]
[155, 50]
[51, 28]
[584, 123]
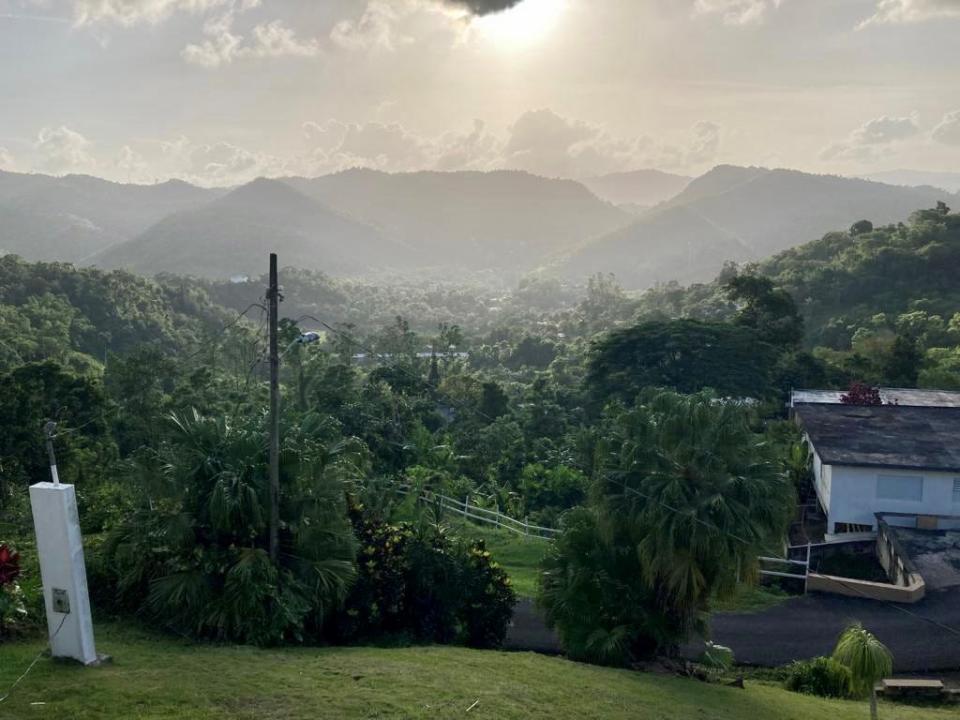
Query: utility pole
[273, 304]
[49, 431]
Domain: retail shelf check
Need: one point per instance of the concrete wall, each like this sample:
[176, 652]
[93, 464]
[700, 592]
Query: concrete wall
[851, 495]
[863, 589]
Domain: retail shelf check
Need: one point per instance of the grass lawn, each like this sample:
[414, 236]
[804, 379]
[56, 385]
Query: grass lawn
[158, 677]
[520, 557]
[749, 598]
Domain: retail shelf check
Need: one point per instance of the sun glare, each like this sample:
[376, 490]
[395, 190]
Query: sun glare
[522, 26]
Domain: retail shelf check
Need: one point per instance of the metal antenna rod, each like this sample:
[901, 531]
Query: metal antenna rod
[49, 431]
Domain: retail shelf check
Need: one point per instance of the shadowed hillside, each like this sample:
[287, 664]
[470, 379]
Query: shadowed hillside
[73, 217]
[470, 220]
[234, 234]
[741, 214]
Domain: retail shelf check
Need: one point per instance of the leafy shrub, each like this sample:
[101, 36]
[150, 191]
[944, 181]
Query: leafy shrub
[12, 607]
[192, 557]
[717, 657]
[416, 583]
[821, 676]
[553, 489]
[488, 599]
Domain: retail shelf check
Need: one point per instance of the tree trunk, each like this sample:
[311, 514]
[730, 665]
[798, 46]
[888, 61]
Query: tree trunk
[873, 703]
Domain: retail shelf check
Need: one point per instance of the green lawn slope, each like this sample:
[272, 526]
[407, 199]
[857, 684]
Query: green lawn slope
[158, 677]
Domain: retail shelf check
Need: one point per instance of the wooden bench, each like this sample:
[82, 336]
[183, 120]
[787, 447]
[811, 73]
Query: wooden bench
[894, 687]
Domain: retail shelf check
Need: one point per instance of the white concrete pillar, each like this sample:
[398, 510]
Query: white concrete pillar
[62, 569]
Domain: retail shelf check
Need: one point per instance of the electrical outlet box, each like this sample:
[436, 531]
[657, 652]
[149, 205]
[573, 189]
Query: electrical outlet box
[61, 601]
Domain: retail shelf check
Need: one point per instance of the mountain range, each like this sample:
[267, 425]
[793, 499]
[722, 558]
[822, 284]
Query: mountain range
[741, 215]
[504, 223]
[638, 190]
[73, 217]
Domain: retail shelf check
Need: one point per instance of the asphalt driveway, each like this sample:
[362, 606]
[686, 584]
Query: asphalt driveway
[804, 627]
[807, 626]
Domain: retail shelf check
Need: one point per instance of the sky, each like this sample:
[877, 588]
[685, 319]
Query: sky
[218, 92]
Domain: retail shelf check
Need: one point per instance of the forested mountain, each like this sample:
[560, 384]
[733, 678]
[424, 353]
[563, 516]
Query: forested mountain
[858, 292]
[501, 220]
[944, 180]
[233, 235]
[637, 190]
[740, 214]
[75, 316]
[72, 217]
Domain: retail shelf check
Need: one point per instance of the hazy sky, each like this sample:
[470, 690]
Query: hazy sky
[220, 91]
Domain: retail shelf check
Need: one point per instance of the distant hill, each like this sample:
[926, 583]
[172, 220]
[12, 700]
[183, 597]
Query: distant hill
[945, 180]
[846, 280]
[638, 189]
[740, 214]
[70, 218]
[233, 235]
[503, 220]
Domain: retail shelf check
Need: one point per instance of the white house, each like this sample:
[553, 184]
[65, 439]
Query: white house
[886, 458]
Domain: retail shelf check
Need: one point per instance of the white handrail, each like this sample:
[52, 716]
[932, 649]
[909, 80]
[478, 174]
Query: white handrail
[484, 515]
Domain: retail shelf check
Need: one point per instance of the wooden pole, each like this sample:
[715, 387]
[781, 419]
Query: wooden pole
[273, 298]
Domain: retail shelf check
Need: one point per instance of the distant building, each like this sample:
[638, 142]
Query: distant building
[896, 458]
[889, 396]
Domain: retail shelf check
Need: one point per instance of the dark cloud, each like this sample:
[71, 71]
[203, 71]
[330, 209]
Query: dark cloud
[484, 7]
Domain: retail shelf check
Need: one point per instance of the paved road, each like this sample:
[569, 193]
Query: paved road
[805, 627]
[528, 631]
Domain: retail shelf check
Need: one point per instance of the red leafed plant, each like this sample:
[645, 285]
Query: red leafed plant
[9, 565]
[861, 394]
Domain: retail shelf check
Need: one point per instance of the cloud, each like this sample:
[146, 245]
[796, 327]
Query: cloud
[225, 163]
[64, 150]
[376, 27]
[872, 140]
[911, 11]
[217, 163]
[268, 40]
[886, 129]
[131, 165]
[393, 148]
[135, 12]
[948, 131]
[705, 143]
[483, 7]
[6, 160]
[546, 143]
[736, 12]
[539, 141]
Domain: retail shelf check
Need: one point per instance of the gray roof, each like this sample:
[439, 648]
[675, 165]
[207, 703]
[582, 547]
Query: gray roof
[892, 436]
[890, 396]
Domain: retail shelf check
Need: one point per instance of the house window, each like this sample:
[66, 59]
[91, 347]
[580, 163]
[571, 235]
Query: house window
[900, 487]
[956, 490]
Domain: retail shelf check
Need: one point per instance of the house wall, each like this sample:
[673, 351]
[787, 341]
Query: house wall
[821, 479]
[852, 495]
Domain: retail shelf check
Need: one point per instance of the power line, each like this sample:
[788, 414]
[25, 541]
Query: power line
[35, 660]
[222, 331]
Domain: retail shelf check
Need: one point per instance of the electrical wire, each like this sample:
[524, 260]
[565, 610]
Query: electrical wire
[35, 660]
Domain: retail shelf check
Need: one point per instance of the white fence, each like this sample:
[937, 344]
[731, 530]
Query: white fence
[483, 515]
[794, 569]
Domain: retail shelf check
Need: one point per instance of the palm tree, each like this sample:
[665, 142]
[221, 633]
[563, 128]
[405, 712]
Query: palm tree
[686, 491]
[195, 555]
[868, 659]
[698, 493]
